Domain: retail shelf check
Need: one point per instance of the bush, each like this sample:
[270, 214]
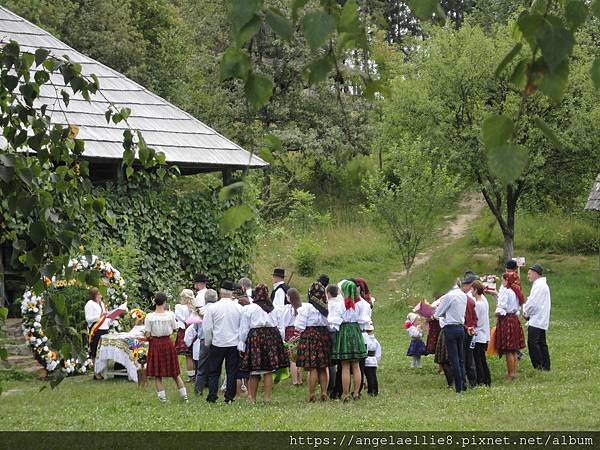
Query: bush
[306, 257]
[303, 215]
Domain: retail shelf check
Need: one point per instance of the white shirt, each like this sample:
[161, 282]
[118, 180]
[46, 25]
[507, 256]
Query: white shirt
[288, 316]
[193, 335]
[482, 331]
[249, 294]
[508, 303]
[372, 346]
[338, 314]
[415, 332]
[279, 299]
[452, 307]
[199, 299]
[253, 316]
[160, 324]
[538, 305]
[434, 305]
[182, 313]
[309, 316]
[222, 323]
[93, 311]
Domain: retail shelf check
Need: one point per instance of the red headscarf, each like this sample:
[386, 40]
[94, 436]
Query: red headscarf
[364, 290]
[514, 283]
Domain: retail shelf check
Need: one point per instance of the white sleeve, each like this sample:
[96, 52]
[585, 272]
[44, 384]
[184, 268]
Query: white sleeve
[281, 317]
[335, 316]
[301, 319]
[414, 332]
[91, 314]
[174, 325]
[530, 306]
[190, 335]
[147, 325]
[364, 314]
[244, 329]
[279, 300]
[207, 327]
[502, 304]
[180, 313]
[378, 351]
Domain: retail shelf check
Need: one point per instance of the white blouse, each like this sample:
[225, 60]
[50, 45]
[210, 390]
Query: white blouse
[372, 346]
[93, 311]
[309, 316]
[160, 324]
[482, 332]
[415, 332]
[361, 314]
[288, 316]
[253, 316]
[182, 313]
[508, 303]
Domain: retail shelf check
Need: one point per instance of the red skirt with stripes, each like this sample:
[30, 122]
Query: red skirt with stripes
[162, 358]
[509, 334]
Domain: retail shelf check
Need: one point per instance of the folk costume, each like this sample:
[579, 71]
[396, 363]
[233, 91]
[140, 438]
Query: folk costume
[260, 338]
[347, 318]
[481, 339]
[416, 348]
[314, 346]
[433, 333]
[509, 334]
[468, 348]
[98, 324]
[288, 318]
[537, 312]
[278, 297]
[162, 357]
[372, 361]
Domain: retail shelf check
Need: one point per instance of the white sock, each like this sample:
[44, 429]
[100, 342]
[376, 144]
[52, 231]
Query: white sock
[418, 362]
[183, 392]
[162, 396]
[191, 373]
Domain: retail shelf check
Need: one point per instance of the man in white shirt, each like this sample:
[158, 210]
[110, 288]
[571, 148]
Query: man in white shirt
[200, 286]
[211, 298]
[537, 312]
[221, 335]
[279, 289]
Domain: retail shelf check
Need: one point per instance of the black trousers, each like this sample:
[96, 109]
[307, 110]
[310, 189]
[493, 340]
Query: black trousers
[455, 336]
[481, 365]
[216, 356]
[470, 370]
[95, 342]
[538, 349]
[372, 385]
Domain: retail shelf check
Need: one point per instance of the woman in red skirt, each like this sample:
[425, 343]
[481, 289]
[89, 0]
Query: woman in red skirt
[509, 333]
[162, 357]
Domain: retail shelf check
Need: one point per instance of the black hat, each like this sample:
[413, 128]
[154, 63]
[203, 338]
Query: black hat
[279, 273]
[469, 279]
[227, 285]
[537, 268]
[323, 279]
[200, 278]
[511, 264]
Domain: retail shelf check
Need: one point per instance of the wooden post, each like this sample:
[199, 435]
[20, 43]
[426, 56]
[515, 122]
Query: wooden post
[226, 177]
[119, 173]
[3, 299]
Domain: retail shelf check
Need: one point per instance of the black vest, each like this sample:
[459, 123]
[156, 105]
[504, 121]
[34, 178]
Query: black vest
[285, 288]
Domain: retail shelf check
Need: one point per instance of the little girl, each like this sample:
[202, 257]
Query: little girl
[417, 347]
[162, 357]
[183, 312]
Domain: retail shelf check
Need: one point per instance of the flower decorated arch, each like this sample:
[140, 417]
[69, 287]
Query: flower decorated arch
[32, 311]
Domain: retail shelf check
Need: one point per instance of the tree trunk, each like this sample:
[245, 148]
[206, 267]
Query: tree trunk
[3, 299]
[509, 246]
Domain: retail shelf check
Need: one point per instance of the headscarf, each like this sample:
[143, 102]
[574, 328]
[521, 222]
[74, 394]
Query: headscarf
[349, 293]
[364, 290]
[261, 298]
[514, 283]
[317, 298]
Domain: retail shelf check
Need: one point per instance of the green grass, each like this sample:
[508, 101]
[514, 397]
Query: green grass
[565, 398]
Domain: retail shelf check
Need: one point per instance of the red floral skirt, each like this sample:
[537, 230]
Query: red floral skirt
[314, 348]
[162, 358]
[264, 351]
[509, 334]
[180, 346]
[433, 332]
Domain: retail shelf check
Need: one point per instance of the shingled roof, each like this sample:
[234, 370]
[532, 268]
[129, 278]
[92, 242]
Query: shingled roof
[593, 202]
[185, 140]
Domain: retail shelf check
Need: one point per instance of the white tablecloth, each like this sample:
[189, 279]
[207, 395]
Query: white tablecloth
[119, 347]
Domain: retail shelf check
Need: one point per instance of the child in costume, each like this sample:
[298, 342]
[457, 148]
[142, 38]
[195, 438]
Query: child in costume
[416, 349]
[372, 361]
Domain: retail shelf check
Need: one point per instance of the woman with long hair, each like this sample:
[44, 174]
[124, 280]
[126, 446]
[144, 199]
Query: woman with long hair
[288, 319]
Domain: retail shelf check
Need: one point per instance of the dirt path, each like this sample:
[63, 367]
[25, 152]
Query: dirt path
[470, 207]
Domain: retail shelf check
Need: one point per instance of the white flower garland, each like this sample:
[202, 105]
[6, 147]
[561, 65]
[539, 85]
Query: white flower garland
[32, 308]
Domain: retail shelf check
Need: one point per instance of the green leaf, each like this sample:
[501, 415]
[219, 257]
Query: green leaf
[40, 55]
[37, 232]
[496, 131]
[576, 13]
[596, 73]
[93, 277]
[27, 59]
[227, 192]
[235, 64]
[349, 20]
[507, 162]
[596, 8]
[423, 9]
[3, 354]
[530, 25]
[548, 132]
[129, 171]
[10, 82]
[3, 313]
[280, 24]
[317, 26]
[248, 31]
[258, 89]
[296, 6]
[508, 58]
[519, 75]
[235, 217]
[59, 305]
[99, 205]
[6, 174]
[375, 86]
[554, 84]
[273, 142]
[241, 12]
[556, 43]
[319, 69]
[266, 155]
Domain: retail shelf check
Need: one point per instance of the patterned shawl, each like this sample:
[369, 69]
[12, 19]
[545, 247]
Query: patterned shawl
[514, 283]
[317, 298]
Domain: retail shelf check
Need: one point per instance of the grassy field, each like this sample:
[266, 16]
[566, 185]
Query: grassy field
[409, 399]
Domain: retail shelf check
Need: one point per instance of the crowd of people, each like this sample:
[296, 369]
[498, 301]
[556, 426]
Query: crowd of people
[258, 334]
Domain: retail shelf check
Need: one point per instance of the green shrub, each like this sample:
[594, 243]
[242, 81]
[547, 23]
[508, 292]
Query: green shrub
[306, 257]
[303, 215]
